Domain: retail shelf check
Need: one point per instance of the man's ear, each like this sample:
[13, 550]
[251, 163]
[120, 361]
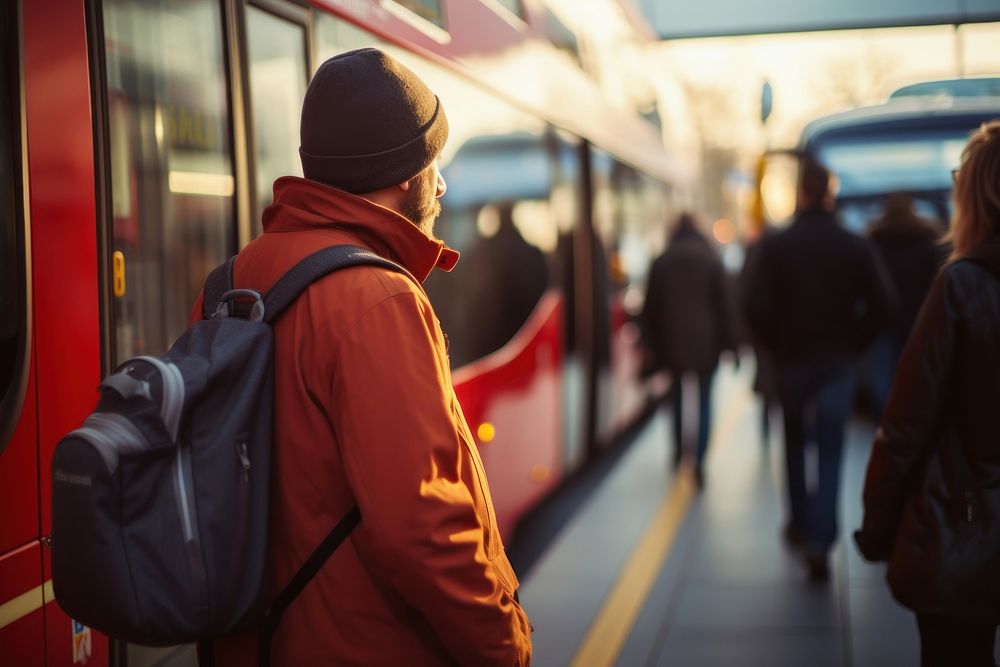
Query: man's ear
[404, 186]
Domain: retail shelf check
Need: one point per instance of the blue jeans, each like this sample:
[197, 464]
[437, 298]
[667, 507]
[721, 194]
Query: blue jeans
[704, 418]
[816, 401]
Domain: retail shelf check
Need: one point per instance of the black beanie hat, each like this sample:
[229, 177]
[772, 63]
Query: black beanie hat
[368, 122]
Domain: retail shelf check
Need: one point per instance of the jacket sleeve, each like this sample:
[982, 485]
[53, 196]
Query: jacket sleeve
[418, 480]
[912, 421]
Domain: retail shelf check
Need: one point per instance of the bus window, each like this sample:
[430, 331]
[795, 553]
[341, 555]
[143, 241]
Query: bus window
[278, 76]
[171, 164]
[629, 219]
[429, 10]
[332, 36]
[13, 282]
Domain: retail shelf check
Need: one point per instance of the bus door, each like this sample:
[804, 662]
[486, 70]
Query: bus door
[171, 180]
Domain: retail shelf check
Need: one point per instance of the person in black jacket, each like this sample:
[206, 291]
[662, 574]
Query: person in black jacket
[911, 250]
[686, 323]
[816, 297]
[932, 490]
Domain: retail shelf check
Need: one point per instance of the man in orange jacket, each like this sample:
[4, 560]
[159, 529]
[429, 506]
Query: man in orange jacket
[365, 412]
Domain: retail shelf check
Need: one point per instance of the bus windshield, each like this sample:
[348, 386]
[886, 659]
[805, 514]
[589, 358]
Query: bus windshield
[867, 164]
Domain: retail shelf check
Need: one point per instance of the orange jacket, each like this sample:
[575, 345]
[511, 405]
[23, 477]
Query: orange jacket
[365, 413]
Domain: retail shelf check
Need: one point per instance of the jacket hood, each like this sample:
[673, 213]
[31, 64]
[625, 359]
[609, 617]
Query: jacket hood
[301, 204]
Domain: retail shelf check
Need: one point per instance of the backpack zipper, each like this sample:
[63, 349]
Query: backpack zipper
[170, 413]
[244, 460]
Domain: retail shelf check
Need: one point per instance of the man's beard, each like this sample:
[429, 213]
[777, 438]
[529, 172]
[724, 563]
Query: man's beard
[420, 206]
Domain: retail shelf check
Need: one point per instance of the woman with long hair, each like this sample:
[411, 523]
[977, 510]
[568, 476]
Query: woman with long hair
[932, 490]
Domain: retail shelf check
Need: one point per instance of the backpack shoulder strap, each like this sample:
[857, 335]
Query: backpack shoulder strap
[314, 267]
[219, 281]
[308, 570]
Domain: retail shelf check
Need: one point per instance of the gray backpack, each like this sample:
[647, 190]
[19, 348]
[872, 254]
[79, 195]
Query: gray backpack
[160, 498]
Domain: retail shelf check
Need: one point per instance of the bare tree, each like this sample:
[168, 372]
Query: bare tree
[857, 79]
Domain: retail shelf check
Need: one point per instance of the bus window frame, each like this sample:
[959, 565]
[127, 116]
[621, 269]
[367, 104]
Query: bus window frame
[438, 32]
[516, 19]
[286, 10]
[102, 177]
[12, 401]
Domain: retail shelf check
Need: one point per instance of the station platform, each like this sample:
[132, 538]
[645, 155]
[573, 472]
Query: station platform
[649, 571]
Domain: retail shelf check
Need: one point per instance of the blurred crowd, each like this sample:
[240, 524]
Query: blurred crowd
[902, 323]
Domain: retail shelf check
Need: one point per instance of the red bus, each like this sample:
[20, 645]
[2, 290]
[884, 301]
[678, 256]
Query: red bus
[138, 142]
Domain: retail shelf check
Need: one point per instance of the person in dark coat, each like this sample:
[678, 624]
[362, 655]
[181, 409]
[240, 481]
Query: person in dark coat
[686, 322]
[932, 490]
[911, 250]
[817, 297]
[507, 278]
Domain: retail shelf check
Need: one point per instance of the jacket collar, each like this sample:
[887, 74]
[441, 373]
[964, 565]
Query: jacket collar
[301, 204]
[814, 214]
[986, 254]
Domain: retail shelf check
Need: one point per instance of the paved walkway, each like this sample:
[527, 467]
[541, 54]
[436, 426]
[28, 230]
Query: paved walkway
[649, 572]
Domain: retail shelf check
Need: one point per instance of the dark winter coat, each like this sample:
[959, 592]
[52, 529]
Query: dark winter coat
[686, 320]
[912, 255]
[942, 418]
[816, 293]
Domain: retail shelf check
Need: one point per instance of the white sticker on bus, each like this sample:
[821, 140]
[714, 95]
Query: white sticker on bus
[81, 643]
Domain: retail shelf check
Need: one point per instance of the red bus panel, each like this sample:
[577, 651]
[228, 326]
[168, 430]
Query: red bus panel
[63, 223]
[512, 400]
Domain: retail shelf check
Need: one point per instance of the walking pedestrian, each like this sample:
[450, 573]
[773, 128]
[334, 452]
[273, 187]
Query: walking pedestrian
[687, 322]
[910, 249]
[817, 297]
[931, 497]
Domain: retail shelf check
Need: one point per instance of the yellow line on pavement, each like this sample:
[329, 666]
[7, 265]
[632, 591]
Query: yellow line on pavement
[618, 613]
[25, 604]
